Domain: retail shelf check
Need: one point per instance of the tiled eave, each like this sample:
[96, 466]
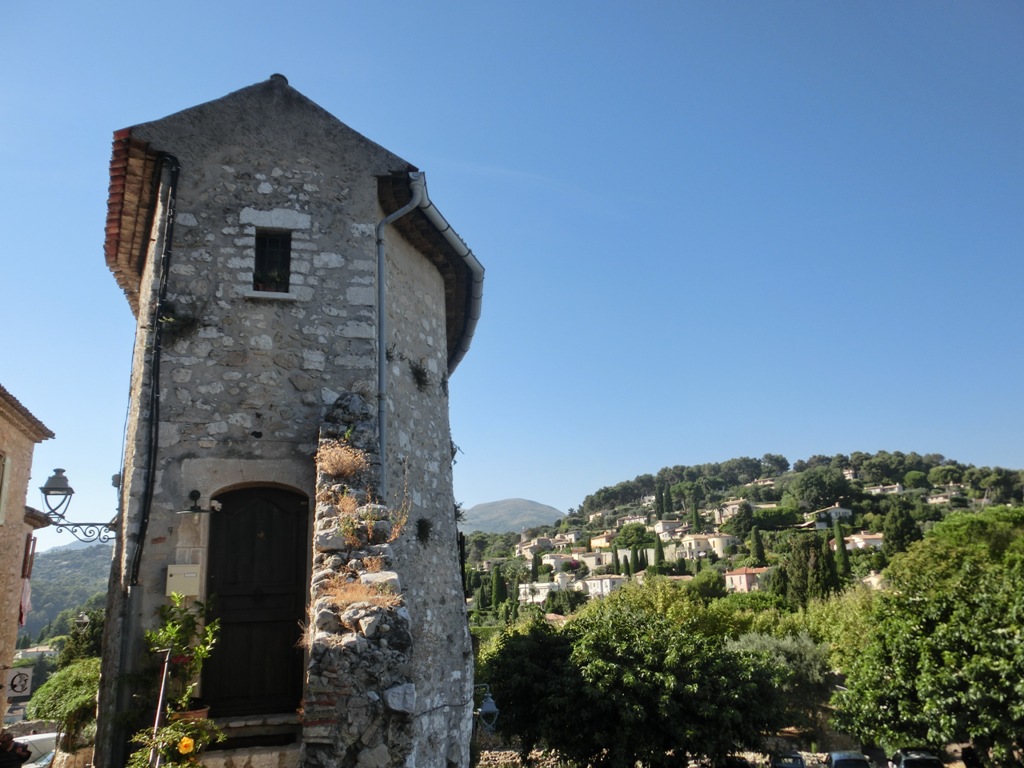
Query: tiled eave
[130, 205]
[393, 192]
[16, 414]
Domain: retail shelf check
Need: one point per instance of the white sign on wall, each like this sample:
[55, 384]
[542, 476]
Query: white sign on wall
[19, 681]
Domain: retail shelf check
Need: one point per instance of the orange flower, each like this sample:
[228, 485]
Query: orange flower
[186, 745]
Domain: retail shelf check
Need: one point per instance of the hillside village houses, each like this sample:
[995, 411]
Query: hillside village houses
[745, 579]
[561, 555]
[826, 518]
[880, 490]
[861, 541]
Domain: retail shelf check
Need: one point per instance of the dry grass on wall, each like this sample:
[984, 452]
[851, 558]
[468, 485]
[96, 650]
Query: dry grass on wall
[344, 593]
[340, 460]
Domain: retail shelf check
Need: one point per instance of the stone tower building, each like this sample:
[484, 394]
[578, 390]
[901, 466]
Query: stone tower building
[298, 299]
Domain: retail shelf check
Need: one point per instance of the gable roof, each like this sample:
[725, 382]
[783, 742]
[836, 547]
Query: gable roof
[16, 414]
[136, 167]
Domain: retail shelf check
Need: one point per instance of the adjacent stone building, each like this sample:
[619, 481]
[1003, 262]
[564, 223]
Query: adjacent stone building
[20, 431]
[301, 304]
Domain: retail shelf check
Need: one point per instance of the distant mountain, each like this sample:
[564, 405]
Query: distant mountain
[508, 515]
[66, 577]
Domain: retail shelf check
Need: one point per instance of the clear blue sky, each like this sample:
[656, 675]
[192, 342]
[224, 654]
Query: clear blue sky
[710, 229]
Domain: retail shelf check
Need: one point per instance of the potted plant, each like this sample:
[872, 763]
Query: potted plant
[179, 742]
[184, 640]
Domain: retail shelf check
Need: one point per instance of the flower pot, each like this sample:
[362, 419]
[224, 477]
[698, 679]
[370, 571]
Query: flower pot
[200, 713]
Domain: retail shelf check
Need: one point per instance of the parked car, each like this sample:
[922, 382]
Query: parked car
[788, 760]
[847, 759]
[914, 757]
[42, 762]
[732, 761]
[38, 744]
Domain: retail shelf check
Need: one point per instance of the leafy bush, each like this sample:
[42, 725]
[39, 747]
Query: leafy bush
[69, 697]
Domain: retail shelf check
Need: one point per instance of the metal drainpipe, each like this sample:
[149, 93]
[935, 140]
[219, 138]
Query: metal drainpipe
[417, 185]
[475, 268]
[420, 199]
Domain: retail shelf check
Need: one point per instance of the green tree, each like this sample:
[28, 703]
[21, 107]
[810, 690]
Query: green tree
[945, 474]
[482, 600]
[69, 697]
[634, 561]
[842, 555]
[806, 682]
[773, 465]
[817, 488]
[634, 535]
[652, 691]
[85, 640]
[915, 478]
[944, 641]
[796, 570]
[527, 666]
[900, 530]
[499, 590]
[826, 576]
[659, 551]
[564, 602]
[757, 547]
[708, 585]
[741, 523]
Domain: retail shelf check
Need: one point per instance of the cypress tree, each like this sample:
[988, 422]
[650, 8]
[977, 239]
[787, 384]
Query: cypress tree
[900, 530]
[634, 561]
[828, 578]
[696, 523]
[535, 568]
[659, 551]
[670, 505]
[499, 590]
[659, 502]
[798, 570]
[757, 546]
[616, 565]
[842, 555]
[481, 598]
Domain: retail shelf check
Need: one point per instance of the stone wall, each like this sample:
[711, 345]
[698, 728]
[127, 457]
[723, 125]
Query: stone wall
[17, 443]
[365, 695]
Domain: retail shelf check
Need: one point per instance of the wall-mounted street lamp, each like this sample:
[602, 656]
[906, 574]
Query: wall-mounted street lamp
[487, 715]
[195, 509]
[57, 493]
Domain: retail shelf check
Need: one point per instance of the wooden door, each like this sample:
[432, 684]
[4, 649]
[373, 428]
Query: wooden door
[256, 581]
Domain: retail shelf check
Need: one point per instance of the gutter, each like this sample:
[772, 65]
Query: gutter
[420, 199]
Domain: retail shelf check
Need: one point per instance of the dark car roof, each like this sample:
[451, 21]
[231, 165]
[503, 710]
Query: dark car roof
[847, 758]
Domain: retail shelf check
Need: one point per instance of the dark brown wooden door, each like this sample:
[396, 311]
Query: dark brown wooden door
[256, 579]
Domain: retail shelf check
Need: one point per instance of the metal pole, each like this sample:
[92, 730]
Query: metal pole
[154, 755]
